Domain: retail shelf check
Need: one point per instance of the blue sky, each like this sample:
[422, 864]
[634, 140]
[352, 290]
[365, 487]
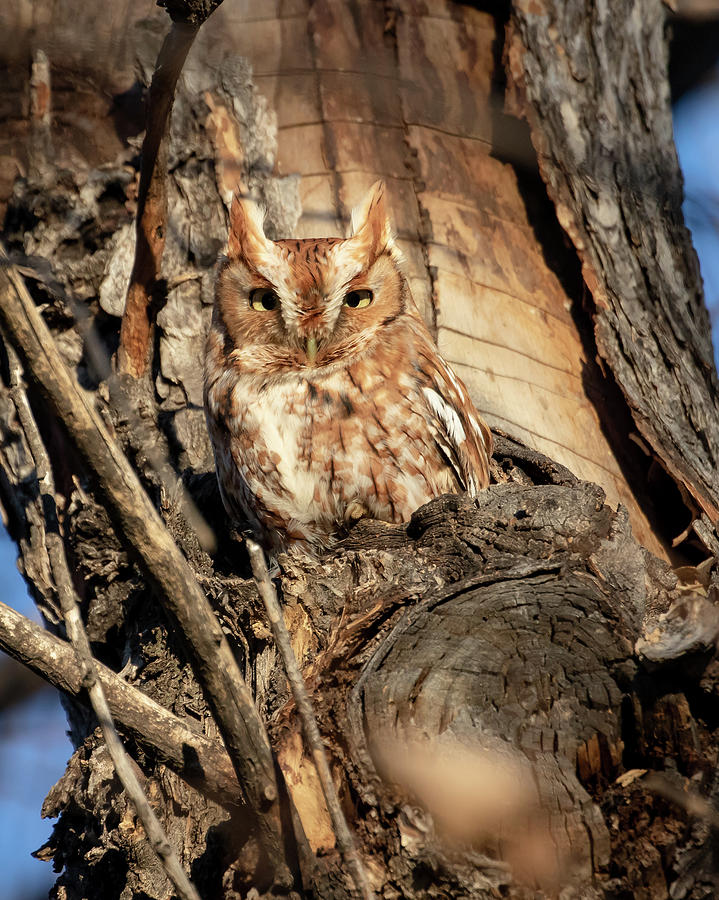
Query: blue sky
[34, 749]
[696, 134]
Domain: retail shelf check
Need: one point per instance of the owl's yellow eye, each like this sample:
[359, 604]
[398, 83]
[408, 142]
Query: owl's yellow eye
[263, 299]
[358, 299]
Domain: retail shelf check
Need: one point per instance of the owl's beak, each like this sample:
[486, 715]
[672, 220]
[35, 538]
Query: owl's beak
[311, 348]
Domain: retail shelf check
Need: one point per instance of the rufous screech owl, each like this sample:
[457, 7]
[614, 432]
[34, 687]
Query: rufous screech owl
[326, 397]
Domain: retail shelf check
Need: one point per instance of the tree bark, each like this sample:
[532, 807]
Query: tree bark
[618, 189]
[513, 692]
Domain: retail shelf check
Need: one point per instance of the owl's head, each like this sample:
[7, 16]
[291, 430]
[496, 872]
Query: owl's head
[293, 304]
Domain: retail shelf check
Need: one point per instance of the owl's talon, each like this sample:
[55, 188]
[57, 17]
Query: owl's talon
[354, 512]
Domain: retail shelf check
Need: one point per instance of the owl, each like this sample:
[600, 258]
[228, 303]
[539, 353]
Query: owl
[325, 395]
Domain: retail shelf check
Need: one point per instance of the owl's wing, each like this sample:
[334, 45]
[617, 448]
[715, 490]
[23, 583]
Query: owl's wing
[461, 435]
[235, 494]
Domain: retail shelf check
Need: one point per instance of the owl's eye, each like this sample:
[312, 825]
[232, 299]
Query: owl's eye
[358, 299]
[263, 299]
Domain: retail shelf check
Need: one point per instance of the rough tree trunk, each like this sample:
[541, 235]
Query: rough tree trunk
[493, 679]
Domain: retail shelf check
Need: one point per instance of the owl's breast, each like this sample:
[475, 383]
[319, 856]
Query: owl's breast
[315, 453]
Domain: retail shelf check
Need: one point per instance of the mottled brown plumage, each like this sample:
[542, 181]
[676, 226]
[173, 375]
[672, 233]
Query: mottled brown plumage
[326, 397]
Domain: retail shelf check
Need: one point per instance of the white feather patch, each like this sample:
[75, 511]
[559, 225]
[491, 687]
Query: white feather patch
[446, 415]
[477, 430]
[453, 379]
[281, 438]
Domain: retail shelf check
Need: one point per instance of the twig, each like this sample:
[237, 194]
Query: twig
[345, 839]
[146, 535]
[81, 645]
[133, 352]
[199, 760]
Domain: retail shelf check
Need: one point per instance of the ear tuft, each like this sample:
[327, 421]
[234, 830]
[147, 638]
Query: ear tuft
[371, 229]
[247, 239]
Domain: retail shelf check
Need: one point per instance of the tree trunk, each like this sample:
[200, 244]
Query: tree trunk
[518, 695]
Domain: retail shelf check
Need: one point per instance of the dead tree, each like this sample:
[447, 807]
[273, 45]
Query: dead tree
[516, 695]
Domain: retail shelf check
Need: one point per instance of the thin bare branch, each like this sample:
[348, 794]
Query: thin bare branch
[145, 534]
[99, 357]
[345, 839]
[199, 760]
[76, 632]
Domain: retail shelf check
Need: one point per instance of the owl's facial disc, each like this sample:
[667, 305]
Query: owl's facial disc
[294, 304]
